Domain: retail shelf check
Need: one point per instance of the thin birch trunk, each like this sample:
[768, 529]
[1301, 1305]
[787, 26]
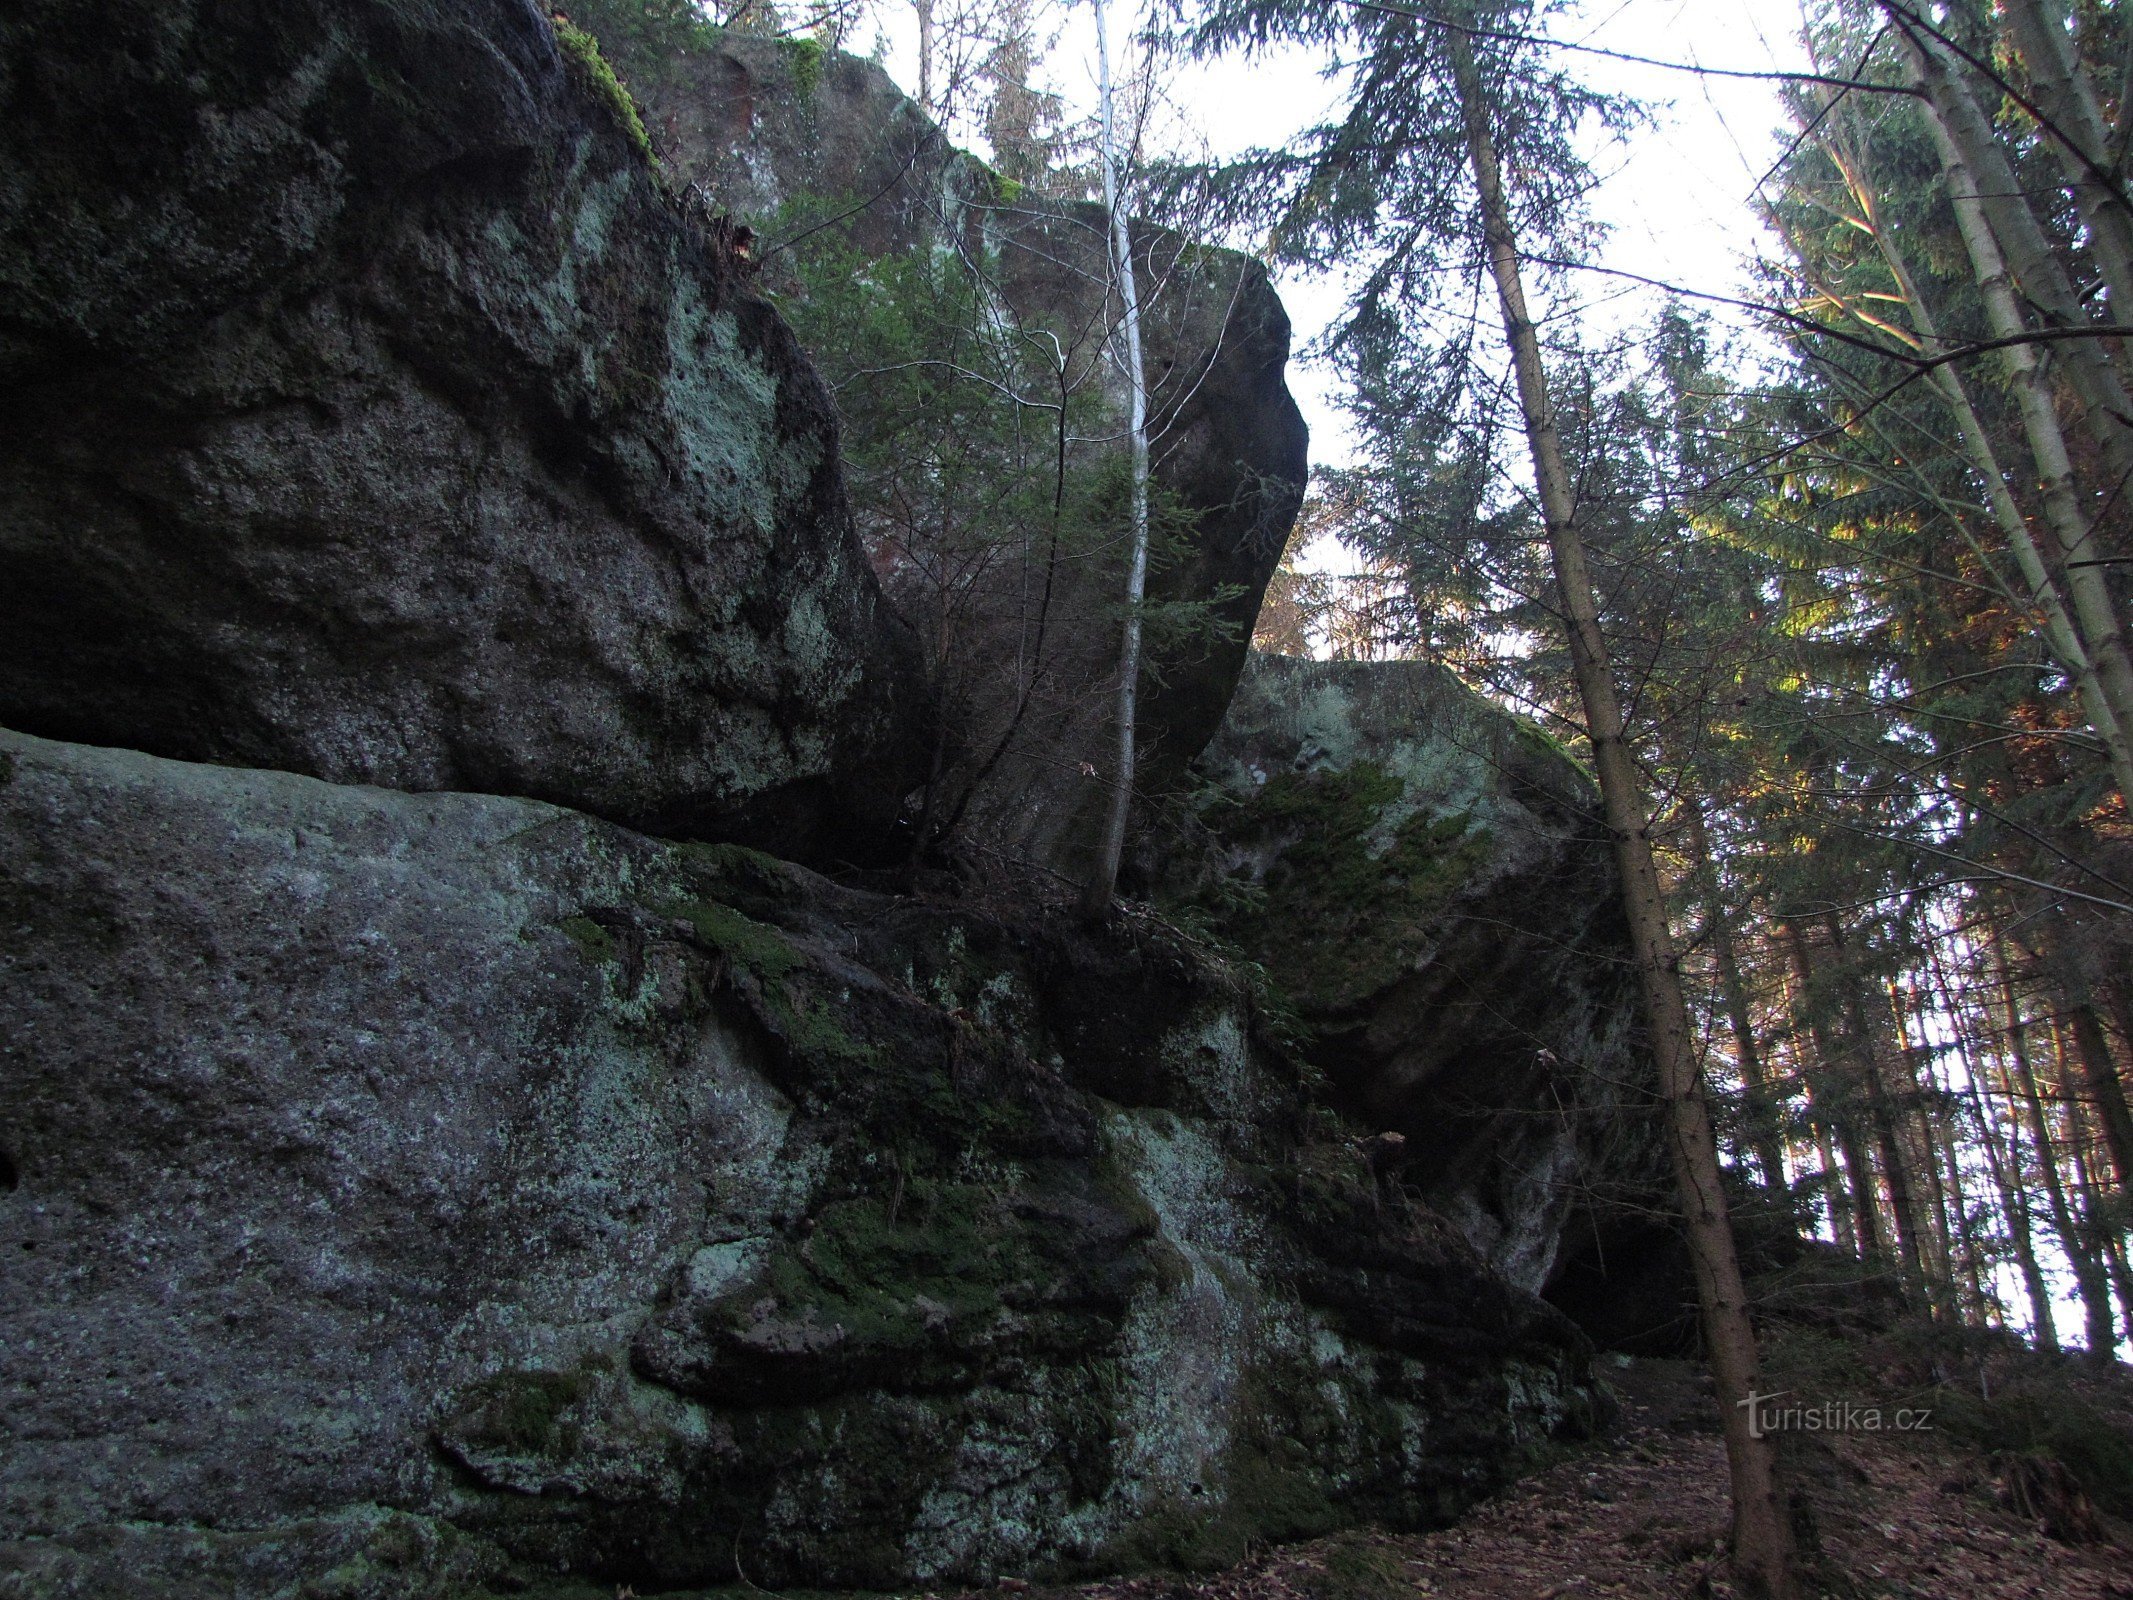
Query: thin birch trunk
[1762, 1529]
[1103, 884]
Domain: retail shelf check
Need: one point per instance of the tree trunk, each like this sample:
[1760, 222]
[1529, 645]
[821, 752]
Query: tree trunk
[2109, 720]
[1895, 1163]
[2014, 1196]
[1764, 1136]
[1838, 1103]
[1762, 1529]
[2073, 534]
[2099, 1073]
[2077, 137]
[925, 54]
[2089, 1277]
[1103, 884]
[1980, 175]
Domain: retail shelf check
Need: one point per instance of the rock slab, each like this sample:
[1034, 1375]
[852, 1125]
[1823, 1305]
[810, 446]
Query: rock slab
[369, 410]
[418, 1192]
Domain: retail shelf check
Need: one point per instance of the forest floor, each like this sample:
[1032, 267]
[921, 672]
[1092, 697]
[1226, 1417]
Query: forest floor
[1643, 1514]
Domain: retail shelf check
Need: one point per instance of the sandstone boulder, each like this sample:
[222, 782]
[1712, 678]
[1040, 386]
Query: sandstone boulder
[405, 1194]
[1428, 881]
[368, 409]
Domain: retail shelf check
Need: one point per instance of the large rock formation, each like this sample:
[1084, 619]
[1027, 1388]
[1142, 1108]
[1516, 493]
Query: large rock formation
[813, 147]
[411, 1189]
[1427, 880]
[421, 1193]
[369, 411]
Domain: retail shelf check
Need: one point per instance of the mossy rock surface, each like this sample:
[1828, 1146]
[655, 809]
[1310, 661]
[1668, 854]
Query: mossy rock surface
[533, 1197]
[1427, 884]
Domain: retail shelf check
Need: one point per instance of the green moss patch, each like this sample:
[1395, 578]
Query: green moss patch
[1355, 891]
[523, 1413]
[590, 68]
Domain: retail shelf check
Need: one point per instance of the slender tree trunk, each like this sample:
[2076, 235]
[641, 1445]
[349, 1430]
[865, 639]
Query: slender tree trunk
[1762, 1529]
[2110, 721]
[2099, 1074]
[925, 55]
[2089, 1278]
[1763, 1129]
[1939, 1237]
[2077, 138]
[1895, 1166]
[1838, 1101]
[2095, 1218]
[2014, 1194]
[1103, 884]
[2073, 534]
[1980, 175]
[1843, 1223]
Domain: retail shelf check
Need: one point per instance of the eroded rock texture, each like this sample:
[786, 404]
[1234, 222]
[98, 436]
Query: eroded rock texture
[411, 1188]
[805, 146]
[366, 410]
[1428, 880]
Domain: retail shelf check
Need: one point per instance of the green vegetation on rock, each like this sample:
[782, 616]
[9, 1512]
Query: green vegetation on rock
[582, 50]
[1356, 886]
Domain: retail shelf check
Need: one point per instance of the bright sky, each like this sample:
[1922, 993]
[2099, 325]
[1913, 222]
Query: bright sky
[1676, 198]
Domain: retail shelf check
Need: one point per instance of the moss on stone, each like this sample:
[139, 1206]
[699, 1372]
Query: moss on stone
[522, 1413]
[597, 943]
[1356, 885]
[582, 51]
[805, 59]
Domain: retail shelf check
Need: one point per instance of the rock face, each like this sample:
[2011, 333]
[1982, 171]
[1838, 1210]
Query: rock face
[404, 1192]
[369, 411]
[1427, 879]
[800, 142]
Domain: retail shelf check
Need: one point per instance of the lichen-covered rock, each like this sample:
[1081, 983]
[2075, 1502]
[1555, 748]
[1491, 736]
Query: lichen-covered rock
[1427, 880]
[405, 1194]
[370, 412]
[799, 142]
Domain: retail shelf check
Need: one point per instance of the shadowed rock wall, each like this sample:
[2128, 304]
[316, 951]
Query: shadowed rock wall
[1428, 880]
[367, 410]
[799, 142]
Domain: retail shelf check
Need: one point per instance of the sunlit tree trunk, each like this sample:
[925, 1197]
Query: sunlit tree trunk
[1762, 1530]
[2077, 138]
[2109, 720]
[926, 50]
[1980, 177]
[1103, 883]
[2074, 536]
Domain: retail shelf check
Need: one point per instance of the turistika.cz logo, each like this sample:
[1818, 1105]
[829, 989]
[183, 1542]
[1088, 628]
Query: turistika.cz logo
[1766, 1416]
